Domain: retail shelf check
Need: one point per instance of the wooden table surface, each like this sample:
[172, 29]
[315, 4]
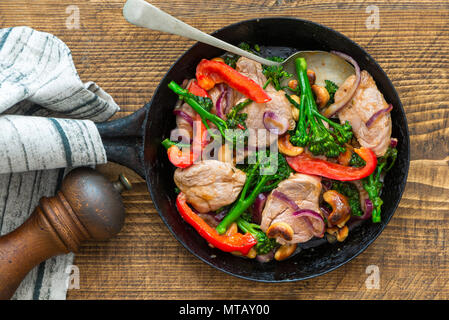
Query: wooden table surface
[144, 261]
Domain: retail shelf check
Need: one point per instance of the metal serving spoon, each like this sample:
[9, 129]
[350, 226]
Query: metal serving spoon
[143, 14]
[326, 65]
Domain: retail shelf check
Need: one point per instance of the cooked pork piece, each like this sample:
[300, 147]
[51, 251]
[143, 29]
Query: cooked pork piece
[210, 184]
[181, 123]
[367, 101]
[278, 104]
[253, 70]
[304, 190]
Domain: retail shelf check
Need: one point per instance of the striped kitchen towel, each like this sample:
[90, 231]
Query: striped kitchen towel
[46, 128]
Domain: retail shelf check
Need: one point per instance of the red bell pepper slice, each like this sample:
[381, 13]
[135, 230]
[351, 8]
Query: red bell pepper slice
[237, 242]
[195, 89]
[209, 73]
[240, 126]
[305, 163]
[179, 158]
[183, 158]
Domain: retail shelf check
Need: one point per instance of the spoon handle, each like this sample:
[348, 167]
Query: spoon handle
[143, 14]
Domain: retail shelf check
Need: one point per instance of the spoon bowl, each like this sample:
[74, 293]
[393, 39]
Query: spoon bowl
[327, 66]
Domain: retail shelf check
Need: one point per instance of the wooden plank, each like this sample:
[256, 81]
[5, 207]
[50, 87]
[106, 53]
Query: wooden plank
[144, 261]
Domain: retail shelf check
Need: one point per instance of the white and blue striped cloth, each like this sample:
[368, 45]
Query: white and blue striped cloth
[47, 117]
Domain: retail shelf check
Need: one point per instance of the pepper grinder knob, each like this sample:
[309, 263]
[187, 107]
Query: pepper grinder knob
[87, 207]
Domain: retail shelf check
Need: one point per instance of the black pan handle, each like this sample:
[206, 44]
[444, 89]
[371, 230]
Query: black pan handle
[123, 140]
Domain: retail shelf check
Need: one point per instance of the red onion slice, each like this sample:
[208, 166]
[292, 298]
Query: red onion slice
[222, 104]
[326, 212]
[283, 197]
[338, 105]
[377, 114]
[183, 115]
[368, 211]
[393, 142]
[274, 123]
[312, 216]
[229, 98]
[257, 207]
[220, 216]
[218, 106]
[263, 258]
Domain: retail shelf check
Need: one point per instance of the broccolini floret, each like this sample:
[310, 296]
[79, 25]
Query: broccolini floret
[350, 191]
[356, 161]
[373, 184]
[264, 244]
[262, 176]
[310, 130]
[275, 74]
[331, 87]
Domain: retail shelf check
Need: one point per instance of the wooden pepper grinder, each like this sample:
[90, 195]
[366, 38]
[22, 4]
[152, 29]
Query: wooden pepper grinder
[88, 207]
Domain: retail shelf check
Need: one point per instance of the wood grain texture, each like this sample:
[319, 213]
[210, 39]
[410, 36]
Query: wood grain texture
[145, 262]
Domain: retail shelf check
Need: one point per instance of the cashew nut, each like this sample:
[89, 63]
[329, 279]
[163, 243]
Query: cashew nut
[285, 147]
[295, 98]
[321, 95]
[252, 253]
[280, 229]
[340, 207]
[295, 111]
[219, 59]
[343, 233]
[232, 229]
[345, 157]
[331, 238]
[293, 84]
[340, 233]
[285, 251]
[312, 76]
